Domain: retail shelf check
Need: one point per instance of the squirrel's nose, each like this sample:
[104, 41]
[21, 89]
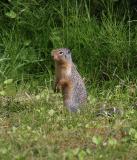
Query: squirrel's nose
[54, 56]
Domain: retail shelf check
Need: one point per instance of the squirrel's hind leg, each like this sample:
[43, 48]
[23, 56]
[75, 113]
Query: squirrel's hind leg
[56, 86]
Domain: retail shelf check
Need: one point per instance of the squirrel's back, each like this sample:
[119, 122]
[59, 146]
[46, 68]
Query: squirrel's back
[79, 91]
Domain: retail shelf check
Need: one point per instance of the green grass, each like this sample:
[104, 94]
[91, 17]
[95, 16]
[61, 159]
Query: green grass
[100, 45]
[35, 125]
[33, 122]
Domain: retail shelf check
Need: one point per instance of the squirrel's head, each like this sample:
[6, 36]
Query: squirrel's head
[61, 55]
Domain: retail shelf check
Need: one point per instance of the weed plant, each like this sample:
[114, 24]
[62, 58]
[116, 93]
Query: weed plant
[100, 46]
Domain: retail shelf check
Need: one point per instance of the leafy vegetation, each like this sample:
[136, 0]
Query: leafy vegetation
[103, 39]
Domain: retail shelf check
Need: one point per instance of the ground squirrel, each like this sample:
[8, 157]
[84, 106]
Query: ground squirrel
[68, 80]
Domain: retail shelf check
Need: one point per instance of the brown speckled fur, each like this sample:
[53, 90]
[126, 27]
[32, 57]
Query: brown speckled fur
[69, 81]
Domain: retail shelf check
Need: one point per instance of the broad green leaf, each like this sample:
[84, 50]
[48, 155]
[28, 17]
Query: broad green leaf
[112, 141]
[51, 112]
[76, 151]
[96, 139]
[135, 136]
[8, 81]
[82, 155]
[27, 42]
[2, 93]
[11, 14]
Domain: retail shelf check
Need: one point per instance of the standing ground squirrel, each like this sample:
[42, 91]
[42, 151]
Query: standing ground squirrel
[68, 80]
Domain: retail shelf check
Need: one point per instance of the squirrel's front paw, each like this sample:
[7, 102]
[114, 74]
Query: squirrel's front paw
[57, 88]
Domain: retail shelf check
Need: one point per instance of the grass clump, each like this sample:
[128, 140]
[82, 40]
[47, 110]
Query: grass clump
[35, 125]
[100, 47]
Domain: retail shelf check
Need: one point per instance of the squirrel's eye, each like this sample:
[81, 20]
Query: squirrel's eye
[60, 53]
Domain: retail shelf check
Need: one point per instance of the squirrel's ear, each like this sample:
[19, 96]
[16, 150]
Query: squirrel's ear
[69, 52]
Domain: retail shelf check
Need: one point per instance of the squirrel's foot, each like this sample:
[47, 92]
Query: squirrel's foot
[57, 88]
